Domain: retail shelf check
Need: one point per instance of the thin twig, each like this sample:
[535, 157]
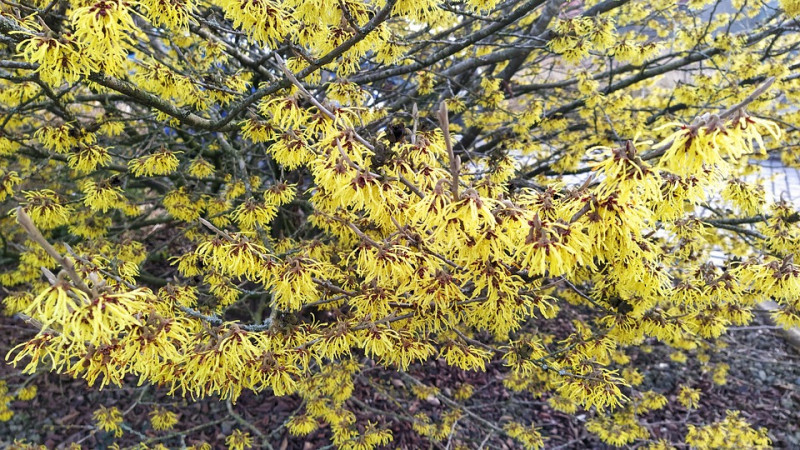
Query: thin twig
[749, 99]
[247, 424]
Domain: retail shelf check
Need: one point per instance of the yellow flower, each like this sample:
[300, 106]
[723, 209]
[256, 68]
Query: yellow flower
[787, 316]
[103, 29]
[163, 419]
[280, 193]
[181, 206]
[27, 393]
[748, 197]
[59, 60]
[201, 168]
[239, 440]
[466, 357]
[302, 425]
[264, 21]
[689, 397]
[730, 433]
[109, 419]
[251, 214]
[87, 157]
[258, 131]
[202, 446]
[102, 195]
[56, 304]
[174, 14]
[464, 392]
[62, 138]
[529, 437]
[47, 209]
[596, 388]
[17, 302]
[562, 404]
[651, 401]
[285, 112]
[632, 376]
[7, 183]
[294, 285]
[556, 248]
[721, 374]
[162, 162]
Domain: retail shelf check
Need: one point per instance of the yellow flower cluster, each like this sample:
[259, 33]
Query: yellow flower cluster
[708, 143]
[618, 429]
[162, 162]
[576, 37]
[59, 60]
[729, 433]
[103, 30]
[109, 419]
[46, 208]
[163, 419]
[689, 397]
[102, 195]
[239, 440]
[529, 437]
[173, 13]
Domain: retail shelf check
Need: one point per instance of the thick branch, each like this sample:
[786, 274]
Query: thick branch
[65, 262]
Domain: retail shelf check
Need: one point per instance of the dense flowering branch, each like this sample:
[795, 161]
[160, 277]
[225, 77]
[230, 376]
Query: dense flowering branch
[292, 196]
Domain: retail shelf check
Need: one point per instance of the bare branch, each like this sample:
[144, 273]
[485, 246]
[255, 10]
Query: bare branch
[65, 262]
[455, 161]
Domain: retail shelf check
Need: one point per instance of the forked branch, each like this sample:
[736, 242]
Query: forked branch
[25, 220]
